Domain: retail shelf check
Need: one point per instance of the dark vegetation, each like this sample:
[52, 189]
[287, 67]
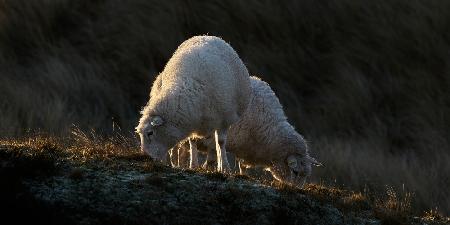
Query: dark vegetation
[105, 181]
[366, 82]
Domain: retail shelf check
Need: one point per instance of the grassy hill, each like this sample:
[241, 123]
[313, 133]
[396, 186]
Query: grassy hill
[80, 180]
[366, 82]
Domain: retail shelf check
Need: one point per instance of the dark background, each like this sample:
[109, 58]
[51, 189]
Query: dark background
[366, 82]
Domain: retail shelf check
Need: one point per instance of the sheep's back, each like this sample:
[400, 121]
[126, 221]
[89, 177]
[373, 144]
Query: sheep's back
[207, 81]
[259, 132]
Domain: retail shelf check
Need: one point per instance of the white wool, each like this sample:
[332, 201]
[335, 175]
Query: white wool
[264, 134]
[263, 137]
[203, 88]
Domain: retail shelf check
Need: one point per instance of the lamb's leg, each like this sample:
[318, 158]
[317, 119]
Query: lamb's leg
[193, 153]
[210, 159]
[222, 161]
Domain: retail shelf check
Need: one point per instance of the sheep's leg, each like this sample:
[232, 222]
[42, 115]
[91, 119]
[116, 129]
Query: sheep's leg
[193, 154]
[172, 157]
[222, 161]
[210, 159]
[178, 157]
[242, 168]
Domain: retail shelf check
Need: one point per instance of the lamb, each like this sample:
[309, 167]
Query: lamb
[263, 137]
[203, 89]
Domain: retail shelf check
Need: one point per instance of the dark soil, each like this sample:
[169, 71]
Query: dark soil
[54, 187]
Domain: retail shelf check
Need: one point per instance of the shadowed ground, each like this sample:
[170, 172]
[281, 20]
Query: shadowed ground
[60, 181]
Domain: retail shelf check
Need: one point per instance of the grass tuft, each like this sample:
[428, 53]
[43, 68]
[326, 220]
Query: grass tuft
[434, 217]
[393, 208]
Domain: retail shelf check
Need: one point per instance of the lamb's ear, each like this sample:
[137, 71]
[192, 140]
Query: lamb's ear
[156, 121]
[314, 161]
[292, 162]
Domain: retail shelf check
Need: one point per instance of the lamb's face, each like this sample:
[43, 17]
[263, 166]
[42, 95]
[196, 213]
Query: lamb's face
[157, 137]
[294, 170]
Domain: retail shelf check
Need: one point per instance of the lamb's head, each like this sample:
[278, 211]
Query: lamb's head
[157, 136]
[294, 170]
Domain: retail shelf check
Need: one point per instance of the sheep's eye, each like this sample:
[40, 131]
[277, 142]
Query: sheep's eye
[150, 133]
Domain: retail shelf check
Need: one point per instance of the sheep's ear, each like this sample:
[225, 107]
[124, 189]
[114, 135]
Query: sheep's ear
[292, 162]
[314, 161]
[156, 121]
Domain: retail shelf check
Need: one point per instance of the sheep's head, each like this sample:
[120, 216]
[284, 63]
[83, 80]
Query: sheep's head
[157, 137]
[294, 170]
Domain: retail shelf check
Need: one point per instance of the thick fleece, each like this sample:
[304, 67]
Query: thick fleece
[203, 89]
[263, 137]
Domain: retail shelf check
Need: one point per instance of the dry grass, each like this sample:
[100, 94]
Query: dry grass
[434, 217]
[392, 208]
[79, 146]
[92, 145]
[365, 164]
[39, 155]
[389, 207]
[347, 201]
[365, 81]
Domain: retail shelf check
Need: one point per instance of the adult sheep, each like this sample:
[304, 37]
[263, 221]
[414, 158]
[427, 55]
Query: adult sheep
[203, 89]
[264, 138]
